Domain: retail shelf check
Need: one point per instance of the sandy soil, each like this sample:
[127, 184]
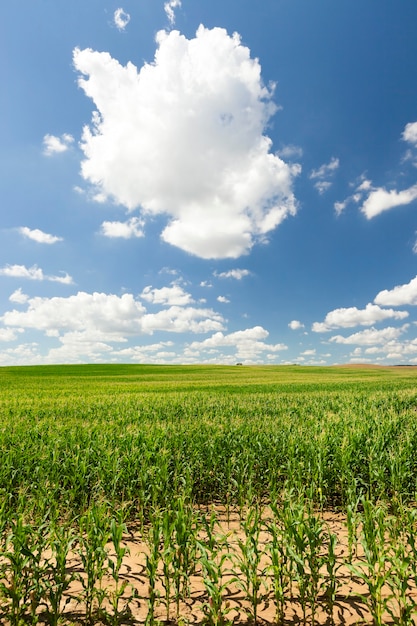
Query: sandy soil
[351, 606]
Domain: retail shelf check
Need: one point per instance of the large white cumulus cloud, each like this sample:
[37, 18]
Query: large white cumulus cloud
[185, 137]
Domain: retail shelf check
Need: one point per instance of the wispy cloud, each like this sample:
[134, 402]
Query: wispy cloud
[121, 19]
[55, 145]
[324, 172]
[237, 274]
[33, 273]
[169, 8]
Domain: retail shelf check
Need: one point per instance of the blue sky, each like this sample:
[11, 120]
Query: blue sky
[201, 181]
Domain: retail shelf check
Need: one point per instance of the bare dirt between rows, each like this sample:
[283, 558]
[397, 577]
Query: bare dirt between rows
[350, 606]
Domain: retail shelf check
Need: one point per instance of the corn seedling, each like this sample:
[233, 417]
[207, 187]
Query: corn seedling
[213, 557]
[375, 568]
[251, 574]
[94, 535]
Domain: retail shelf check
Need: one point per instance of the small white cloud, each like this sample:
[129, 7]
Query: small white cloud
[223, 299]
[237, 274]
[351, 316]
[410, 133]
[290, 152]
[55, 145]
[325, 169]
[19, 297]
[121, 19]
[364, 185]
[33, 273]
[125, 230]
[38, 235]
[399, 296]
[295, 325]
[309, 352]
[339, 207]
[167, 296]
[322, 186]
[169, 8]
[380, 200]
[206, 283]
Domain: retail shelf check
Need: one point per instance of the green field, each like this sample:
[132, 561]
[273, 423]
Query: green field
[87, 446]
[135, 435]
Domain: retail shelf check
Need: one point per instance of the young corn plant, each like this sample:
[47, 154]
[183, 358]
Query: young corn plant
[24, 571]
[59, 579]
[184, 556]
[153, 538]
[375, 568]
[306, 543]
[213, 558]
[252, 573]
[117, 529]
[280, 568]
[399, 582]
[167, 557]
[332, 582]
[94, 535]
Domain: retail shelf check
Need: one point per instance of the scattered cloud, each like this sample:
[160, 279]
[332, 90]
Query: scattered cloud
[371, 336]
[33, 273]
[55, 145]
[380, 200]
[106, 318]
[351, 316]
[322, 186]
[167, 296]
[410, 133]
[295, 325]
[212, 173]
[361, 185]
[237, 274]
[121, 19]
[169, 8]
[38, 235]
[125, 230]
[18, 296]
[223, 299]
[323, 172]
[245, 345]
[399, 296]
[290, 152]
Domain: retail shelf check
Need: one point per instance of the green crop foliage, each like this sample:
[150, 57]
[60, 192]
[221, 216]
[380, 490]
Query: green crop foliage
[91, 451]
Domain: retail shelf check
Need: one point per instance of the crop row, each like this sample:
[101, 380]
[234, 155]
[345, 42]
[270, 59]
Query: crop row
[285, 556]
[137, 453]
